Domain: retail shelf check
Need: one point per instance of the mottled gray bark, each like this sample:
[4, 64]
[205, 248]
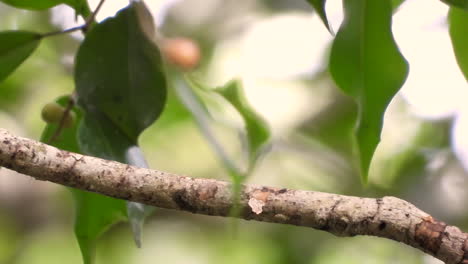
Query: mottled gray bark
[341, 215]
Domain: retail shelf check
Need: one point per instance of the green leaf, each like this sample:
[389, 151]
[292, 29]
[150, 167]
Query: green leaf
[396, 4]
[33, 4]
[122, 88]
[258, 132]
[202, 117]
[367, 65]
[15, 47]
[118, 71]
[319, 6]
[94, 213]
[457, 3]
[98, 136]
[458, 28]
[41, 4]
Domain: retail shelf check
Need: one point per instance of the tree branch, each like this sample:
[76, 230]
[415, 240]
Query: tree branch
[387, 217]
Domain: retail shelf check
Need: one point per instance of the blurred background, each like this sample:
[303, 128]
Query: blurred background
[280, 50]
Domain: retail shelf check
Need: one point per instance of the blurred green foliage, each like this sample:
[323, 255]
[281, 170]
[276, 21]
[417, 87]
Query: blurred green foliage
[316, 154]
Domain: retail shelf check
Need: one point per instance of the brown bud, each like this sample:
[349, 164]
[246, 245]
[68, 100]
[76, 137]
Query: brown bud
[182, 52]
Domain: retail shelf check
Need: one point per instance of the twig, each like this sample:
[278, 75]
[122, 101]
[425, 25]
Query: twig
[63, 119]
[84, 27]
[387, 217]
[91, 18]
[72, 100]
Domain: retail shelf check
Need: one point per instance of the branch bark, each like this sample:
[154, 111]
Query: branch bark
[387, 217]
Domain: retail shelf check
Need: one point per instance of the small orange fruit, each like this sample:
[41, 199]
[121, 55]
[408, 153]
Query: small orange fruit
[182, 52]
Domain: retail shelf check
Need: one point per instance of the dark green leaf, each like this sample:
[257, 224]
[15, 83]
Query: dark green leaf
[118, 71]
[366, 64]
[97, 136]
[15, 47]
[41, 4]
[94, 213]
[457, 3]
[319, 6]
[458, 26]
[122, 88]
[256, 128]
